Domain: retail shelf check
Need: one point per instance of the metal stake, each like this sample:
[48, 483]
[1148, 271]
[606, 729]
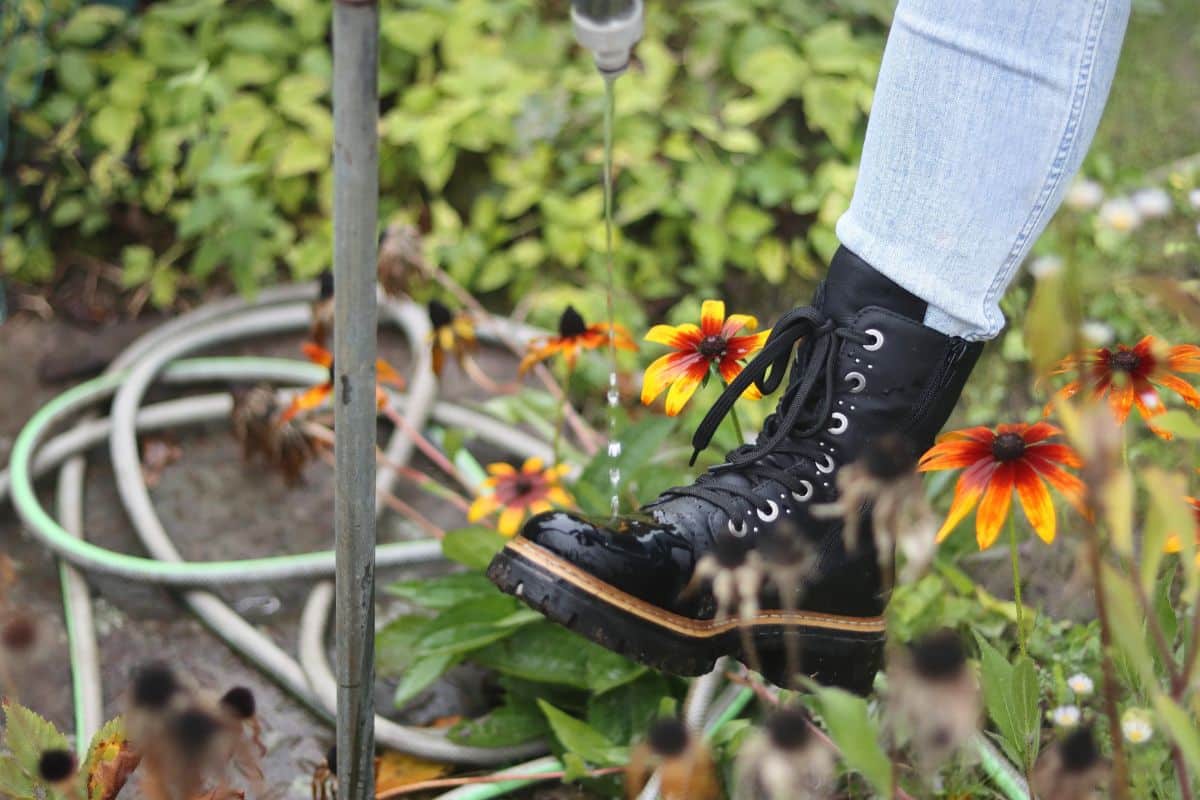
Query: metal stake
[355, 209]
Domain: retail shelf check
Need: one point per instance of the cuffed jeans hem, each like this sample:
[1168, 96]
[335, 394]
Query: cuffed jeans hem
[908, 266]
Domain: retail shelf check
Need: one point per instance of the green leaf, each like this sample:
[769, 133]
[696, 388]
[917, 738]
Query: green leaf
[14, 782]
[89, 24]
[1128, 624]
[832, 105]
[113, 127]
[301, 154]
[444, 591]
[582, 739]
[27, 735]
[1181, 726]
[472, 547]
[1181, 423]
[1010, 692]
[549, 653]
[706, 189]
[851, 728]
[627, 711]
[421, 673]
[395, 643]
[507, 725]
[472, 624]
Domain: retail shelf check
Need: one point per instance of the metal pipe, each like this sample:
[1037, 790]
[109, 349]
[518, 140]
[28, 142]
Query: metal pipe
[355, 213]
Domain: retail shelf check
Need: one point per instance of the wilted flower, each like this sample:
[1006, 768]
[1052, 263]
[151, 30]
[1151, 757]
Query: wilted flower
[697, 350]
[1119, 214]
[400, 258]
[787, 761]
[1011, 458]
[736, 576]
[574, 335]
[1152, 202]
[515, 493]
[1084, 195]
[1136, 726]
[311, 398]
[257, 422]
[933, 695]
[1081, 684]
[686, 768]
[885, 477]
[452, 334]
[1127, 377]
[1070, 770]
[322, 310]
[1065, 716]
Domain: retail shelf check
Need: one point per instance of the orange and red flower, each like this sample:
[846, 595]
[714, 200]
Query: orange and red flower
[697, 349]
[1127, 377]
[574, 335]
[515, 493]
[384, 374]
[1012, 457]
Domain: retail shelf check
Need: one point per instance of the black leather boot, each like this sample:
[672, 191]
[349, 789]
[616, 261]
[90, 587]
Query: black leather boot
[866, 366]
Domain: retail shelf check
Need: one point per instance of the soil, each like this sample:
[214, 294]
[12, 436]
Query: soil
[216, 507]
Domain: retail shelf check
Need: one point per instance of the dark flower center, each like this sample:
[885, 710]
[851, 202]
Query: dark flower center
[712, 347]
[153, 686]
[19, 634]
[56, 766]
[571, 324]
[522, 485]
[326, 283]
[192, 730]
[1008, 447]
[1078, 750]
[667, 737]
[788, 729]
[240, 701]
[439, 315]
[938, 655]
[1125, 361]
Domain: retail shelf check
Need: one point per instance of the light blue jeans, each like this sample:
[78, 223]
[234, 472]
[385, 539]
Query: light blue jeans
[983, 112]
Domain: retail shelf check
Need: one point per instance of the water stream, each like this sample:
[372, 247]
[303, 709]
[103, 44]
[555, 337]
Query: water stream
[614, 393]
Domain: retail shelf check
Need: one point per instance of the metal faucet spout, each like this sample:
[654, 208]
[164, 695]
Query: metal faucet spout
[610, 29]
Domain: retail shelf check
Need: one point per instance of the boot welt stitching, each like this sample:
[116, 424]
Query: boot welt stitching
[680, 624]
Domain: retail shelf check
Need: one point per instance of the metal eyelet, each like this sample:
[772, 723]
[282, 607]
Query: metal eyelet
[771, 515]
[878, 337]
[808, 492]
[859, 380]
[738, 530]
[842, 422]
[828, 466]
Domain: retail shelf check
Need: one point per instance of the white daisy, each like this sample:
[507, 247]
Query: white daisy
[1136, 725]
[1084, 195]
[1081, 684]
[1045, 266]
[1152, 203]
[1067, 716]
[1120, 215]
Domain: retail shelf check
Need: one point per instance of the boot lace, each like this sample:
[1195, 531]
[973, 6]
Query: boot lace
[787, 441]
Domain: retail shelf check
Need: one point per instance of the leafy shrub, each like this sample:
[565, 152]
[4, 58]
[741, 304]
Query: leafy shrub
[192, 140]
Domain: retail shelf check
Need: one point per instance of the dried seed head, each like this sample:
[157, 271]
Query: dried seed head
[784, 545]
[326, 284]
[19, 634]
[667, 737]
[56, 766]
[439, 314]
[153, 686]
[239, 701]
[890, 456]
[938, 655]
[788, 729]
[728, 551]
[331, 759]
[1078, 750]
[192, 730]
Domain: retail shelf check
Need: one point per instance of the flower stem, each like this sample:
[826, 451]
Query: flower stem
[561, 415]
[733, 414]
[1016, 573]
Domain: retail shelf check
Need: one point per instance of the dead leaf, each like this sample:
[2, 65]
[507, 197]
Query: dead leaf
[398, 769]
[109, 766]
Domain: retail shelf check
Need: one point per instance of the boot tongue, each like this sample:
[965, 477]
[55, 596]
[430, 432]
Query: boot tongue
[852, 284]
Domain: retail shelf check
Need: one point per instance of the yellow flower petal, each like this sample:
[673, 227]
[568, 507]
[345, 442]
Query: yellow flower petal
[681, 391]
[712, 317]
[532, 465]
[680, 337]
[483, 505]
[559, 497]
[510, 520]
[500, 468]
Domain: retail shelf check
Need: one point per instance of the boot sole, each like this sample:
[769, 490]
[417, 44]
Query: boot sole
[844, 651]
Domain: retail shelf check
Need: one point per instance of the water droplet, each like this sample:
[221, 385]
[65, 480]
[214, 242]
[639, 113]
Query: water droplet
[614, 397]
[614, 476]
[614, 449]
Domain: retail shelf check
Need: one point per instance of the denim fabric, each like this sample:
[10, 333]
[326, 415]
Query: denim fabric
[983, 112]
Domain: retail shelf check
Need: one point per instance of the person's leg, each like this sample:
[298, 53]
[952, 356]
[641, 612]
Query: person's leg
[983, 112]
